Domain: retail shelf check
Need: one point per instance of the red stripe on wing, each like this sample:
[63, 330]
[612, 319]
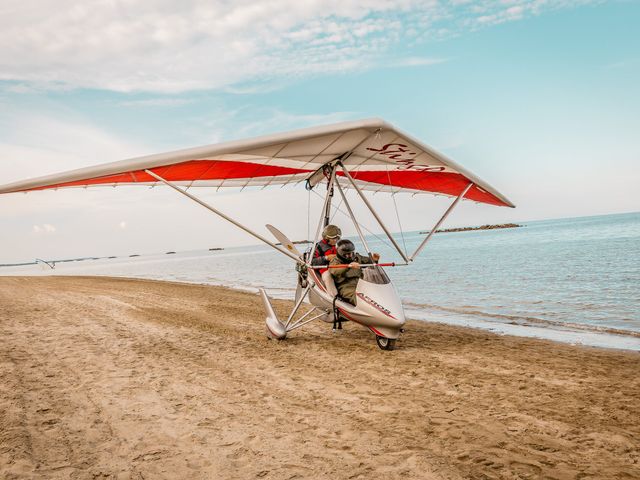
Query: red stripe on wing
[188, 171]
[438, 182]
[194, 170]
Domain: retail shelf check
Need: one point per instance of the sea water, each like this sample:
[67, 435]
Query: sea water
[573, 280]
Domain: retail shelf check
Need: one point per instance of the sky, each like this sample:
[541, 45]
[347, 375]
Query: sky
[539, 98]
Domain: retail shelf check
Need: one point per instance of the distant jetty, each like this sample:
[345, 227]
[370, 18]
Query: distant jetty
[483, 227]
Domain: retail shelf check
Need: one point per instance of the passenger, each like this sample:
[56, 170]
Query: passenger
[346, 278]
[326, 248]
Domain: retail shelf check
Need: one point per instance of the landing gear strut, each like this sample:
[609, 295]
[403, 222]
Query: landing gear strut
[385, 343]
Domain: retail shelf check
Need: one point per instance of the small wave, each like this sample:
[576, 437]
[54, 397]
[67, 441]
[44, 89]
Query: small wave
[522, 319]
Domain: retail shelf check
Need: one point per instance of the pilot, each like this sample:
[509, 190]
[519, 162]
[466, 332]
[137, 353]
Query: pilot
[346, 278]
[326, 248]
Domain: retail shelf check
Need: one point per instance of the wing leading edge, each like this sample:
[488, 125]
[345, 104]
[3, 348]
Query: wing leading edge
[378, 156]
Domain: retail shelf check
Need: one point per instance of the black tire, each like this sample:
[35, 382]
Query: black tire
[385, 343]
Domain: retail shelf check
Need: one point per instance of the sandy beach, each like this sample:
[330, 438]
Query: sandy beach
[116, 378]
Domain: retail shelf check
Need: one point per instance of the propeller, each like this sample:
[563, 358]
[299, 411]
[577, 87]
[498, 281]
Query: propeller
[282, 238]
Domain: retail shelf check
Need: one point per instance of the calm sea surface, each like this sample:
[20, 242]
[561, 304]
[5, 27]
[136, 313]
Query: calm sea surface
[573, 280]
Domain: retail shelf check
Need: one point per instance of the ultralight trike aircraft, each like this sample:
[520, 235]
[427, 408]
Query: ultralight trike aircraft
[360, 155]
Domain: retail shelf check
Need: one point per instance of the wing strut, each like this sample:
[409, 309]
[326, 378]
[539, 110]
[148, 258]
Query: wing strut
[366, 202]
[229, 219]
[446, 214]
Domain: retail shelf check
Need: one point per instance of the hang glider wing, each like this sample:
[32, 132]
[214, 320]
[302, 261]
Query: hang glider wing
[378, 156]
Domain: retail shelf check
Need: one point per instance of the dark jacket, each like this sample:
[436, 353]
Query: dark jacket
[322, 249]
[346, 279]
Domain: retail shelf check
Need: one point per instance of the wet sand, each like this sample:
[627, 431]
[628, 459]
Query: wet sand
[117, 378]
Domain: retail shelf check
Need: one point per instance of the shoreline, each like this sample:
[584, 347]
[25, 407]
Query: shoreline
[568, 334]
[115, 377]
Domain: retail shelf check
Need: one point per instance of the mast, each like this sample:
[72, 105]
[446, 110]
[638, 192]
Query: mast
[329, 172]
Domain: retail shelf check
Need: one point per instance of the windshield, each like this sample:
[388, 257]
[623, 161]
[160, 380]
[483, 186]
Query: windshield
[375, 275]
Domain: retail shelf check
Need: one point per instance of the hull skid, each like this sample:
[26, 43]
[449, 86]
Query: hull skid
[276, 330]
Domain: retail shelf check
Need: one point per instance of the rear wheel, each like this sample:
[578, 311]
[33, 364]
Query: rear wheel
[385, 343]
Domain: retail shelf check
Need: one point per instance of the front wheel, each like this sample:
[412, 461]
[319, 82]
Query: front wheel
[385, 343]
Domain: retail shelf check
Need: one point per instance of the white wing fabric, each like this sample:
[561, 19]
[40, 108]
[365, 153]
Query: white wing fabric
[378, 156]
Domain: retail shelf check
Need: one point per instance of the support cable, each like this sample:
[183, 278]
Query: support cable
[353, 218]
[336, 209]
[373, 212]
[395, 205]
[382, 240]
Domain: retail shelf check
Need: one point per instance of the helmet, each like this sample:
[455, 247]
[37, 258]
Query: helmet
[346, 249]
[331, 231]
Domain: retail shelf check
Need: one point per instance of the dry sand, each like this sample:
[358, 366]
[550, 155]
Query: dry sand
[116, 378]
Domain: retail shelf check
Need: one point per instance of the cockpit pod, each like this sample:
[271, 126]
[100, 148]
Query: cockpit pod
[378, 300]
[378, 305]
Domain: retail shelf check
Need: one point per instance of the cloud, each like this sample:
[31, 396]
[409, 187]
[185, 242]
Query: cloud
[418, 62]
[34, 144]
[44, 229]
[158, 102]
[487, 13]
[170, 47]
[630, 62]
[270, 120]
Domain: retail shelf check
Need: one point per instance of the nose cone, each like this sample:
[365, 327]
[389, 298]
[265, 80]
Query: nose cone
[382, 302]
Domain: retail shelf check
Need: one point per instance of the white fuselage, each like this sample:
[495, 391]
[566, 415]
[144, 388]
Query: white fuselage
[378, 306]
